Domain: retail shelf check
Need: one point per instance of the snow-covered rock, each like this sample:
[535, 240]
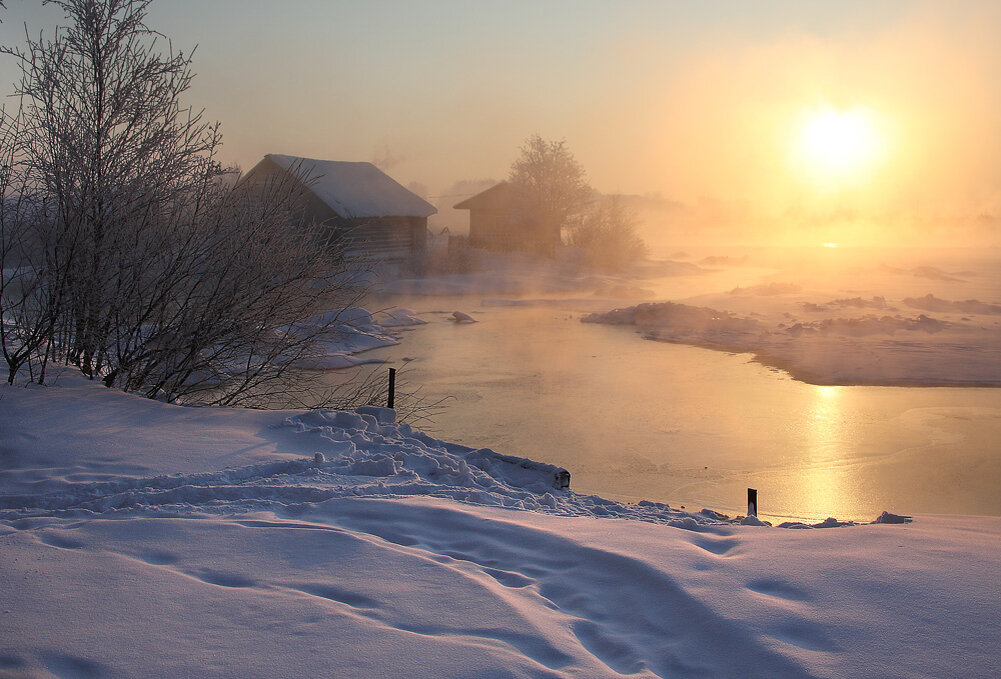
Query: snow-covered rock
[400, 317]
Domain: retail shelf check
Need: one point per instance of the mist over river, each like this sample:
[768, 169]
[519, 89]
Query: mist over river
[634, 419]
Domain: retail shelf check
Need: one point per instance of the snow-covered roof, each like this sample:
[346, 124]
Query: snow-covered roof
[497, 196]
[356, 189]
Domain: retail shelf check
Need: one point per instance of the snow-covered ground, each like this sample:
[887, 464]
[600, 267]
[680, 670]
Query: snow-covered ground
[857, 317]
[842, 341]
[354, 331]
[143, 539]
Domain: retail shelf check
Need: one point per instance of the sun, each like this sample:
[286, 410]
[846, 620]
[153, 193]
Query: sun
[834, 146]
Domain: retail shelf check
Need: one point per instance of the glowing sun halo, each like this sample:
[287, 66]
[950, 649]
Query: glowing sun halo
[837, 144]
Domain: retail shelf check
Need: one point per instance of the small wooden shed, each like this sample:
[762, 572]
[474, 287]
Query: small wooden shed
[370, 214]
[497, 223]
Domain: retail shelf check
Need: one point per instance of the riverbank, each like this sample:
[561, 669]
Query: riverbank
[827, 316]
[146, 539]
[947, 350]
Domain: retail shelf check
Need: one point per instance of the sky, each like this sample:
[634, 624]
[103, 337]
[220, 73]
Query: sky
[700, 104]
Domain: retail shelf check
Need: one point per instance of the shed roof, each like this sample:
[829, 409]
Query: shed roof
[353, 189]
[496, 197]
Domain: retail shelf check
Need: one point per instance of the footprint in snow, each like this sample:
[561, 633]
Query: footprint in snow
[777, 589]
[222, 579]
[719, 547]
[60, 541]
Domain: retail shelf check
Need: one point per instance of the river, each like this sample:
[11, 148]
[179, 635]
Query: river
[633, 419]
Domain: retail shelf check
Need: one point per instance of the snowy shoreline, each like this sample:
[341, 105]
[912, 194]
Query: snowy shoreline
[215, 541]
[825, 317]
[801, 374]
[869, 350]
[314, 456]
[231, 543]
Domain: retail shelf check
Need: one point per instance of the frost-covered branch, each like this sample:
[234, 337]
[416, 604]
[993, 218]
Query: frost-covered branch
[128, 251]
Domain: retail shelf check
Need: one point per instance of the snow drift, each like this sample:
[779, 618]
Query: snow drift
[216, 542]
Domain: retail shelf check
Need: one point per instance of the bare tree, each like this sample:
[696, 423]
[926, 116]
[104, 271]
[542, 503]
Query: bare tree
[146, 269]
[26, 318]
[550, 188]
[231, 310]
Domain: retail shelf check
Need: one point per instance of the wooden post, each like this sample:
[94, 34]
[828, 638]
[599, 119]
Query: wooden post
[390, 401]
[752, 502]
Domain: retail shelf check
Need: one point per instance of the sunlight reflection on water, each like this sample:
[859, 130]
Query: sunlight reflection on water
[633, 419]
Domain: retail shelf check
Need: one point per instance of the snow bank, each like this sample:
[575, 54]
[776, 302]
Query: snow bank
[867, 349]
[930, 272]
[462, 317]
[680, 318]
[351, 331]
[970, 306]
[853, 302]
[166, 465]
[765, 289]
[234, 543]
[400, 317]
[868, 325]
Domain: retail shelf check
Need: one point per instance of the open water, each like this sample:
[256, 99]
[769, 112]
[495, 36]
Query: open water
[634, 419]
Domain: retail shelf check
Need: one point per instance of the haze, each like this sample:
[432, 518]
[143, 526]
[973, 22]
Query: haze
[699, 107]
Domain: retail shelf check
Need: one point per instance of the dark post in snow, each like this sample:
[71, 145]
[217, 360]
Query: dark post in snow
[752, 502]
[390, 400]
